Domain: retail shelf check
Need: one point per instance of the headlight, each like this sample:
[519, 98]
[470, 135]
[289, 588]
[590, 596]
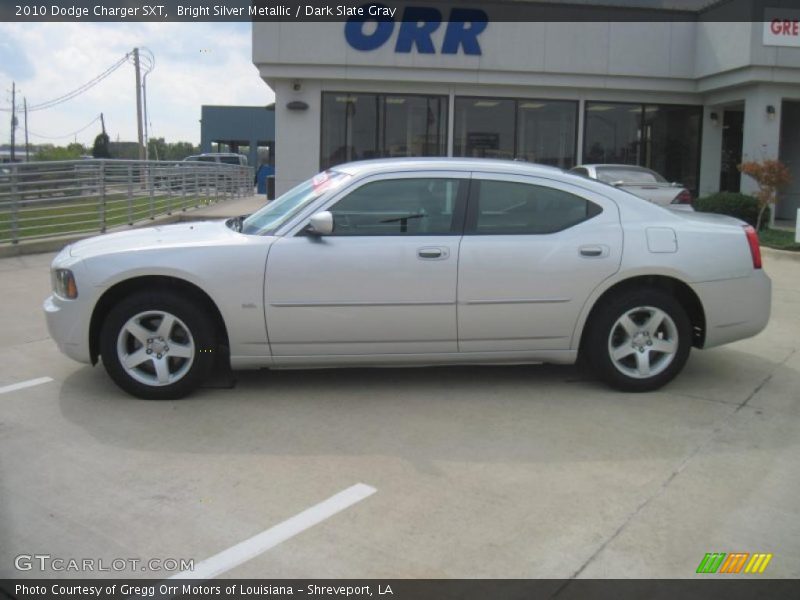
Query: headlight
[64, 284]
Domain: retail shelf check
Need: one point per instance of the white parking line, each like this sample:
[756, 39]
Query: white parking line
[25, 384]
[260, 543]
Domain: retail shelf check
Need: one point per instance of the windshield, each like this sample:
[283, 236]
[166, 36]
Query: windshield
[628, 175]
[280, 210]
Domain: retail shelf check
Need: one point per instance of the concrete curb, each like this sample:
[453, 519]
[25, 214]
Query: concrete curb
[780, 254]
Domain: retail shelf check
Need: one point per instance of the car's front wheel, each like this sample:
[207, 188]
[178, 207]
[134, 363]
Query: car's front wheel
[157, 346]
[639, 341]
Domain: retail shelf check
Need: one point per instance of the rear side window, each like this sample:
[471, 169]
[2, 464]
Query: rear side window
[424, 206]
[509, 208]
[230, 160]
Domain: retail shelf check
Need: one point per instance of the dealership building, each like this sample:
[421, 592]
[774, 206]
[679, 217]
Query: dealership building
[689, 98]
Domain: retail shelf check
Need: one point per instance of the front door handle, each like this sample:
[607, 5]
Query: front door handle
[595, 251]
[433, 253]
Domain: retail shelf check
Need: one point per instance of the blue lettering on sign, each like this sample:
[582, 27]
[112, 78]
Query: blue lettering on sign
[417, 28]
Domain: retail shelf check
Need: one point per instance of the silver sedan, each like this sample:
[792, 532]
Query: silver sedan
[641, 182]
[414, 262]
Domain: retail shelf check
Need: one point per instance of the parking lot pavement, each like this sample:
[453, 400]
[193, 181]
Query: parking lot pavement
[533, 471]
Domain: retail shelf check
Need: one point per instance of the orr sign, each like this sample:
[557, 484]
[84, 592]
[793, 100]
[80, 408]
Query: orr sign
[781, 27]
[416, 29]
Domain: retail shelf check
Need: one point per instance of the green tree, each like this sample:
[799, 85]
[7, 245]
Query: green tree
[50, 152]
[100, 148]
[159, 149]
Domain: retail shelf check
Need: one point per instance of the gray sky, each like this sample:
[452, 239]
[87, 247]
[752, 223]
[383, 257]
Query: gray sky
[196, 64]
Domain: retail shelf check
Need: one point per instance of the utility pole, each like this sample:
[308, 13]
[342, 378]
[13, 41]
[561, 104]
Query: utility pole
[27, 146]
[103, 123]
[13, 120]
[139, 102]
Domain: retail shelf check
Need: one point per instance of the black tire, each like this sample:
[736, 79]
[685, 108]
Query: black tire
[624, 373]
[193, 329]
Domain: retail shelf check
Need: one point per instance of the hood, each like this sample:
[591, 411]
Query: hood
[195, 233]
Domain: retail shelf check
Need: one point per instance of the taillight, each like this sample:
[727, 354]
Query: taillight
[755, 247]
[683, 198]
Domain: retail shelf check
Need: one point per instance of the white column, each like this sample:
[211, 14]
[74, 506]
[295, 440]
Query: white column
[297, 133]
[761, 132]
[711, 151]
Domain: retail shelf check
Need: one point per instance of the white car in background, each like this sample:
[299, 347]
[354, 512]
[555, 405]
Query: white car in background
[641, 182]
[224, 158]
[414, 262]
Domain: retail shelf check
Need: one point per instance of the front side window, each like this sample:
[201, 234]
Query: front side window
[508, 208]
[423, 206]
[282, 209]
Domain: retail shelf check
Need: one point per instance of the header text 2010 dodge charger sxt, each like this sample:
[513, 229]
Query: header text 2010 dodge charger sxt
[415, 262]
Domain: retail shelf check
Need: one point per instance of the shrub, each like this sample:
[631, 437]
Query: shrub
[771, 176]
[741, 206]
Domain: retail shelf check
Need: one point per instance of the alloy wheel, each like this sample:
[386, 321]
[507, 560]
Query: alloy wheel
[643, 342]
[155, 348]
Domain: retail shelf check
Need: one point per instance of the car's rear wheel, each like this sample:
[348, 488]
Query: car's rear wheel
[157, 346]
[639, 341]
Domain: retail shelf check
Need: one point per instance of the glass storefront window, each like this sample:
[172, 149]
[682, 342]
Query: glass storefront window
[612, 133]
[363, 126]
[414, 126]
[546, 132]
[541, 131]
[484, 128]
[349, 126]
[672, 142]
[662, 137]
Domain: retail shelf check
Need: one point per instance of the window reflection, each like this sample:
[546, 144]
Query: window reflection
[484, 128]
[541, 131]
[363, 126]
[662, 137]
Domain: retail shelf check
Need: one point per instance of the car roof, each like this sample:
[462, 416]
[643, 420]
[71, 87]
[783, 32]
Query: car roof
[382, 165]
[614, 166]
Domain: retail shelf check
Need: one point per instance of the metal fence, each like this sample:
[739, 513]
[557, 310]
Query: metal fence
[46, 199]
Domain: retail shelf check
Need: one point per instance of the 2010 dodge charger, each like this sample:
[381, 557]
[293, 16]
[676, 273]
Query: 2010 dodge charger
[414, 262]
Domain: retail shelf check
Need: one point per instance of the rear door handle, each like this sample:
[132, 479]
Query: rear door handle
[433, 253]
[598, 251]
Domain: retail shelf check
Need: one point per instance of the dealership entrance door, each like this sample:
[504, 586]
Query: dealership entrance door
[789, 154]
[732, 137]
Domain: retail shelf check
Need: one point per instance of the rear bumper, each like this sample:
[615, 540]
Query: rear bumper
[735, 308]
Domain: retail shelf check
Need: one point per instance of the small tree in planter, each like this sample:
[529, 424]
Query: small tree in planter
[771, 175]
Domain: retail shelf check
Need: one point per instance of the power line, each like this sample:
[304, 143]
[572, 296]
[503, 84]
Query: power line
[58, 137]
[77, 91]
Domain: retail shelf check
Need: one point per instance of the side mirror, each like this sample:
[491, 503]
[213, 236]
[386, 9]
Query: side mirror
[321, 223]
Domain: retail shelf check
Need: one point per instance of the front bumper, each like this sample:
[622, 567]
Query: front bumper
[68, 327]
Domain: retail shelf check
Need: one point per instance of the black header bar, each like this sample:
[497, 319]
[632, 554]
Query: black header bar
[342, 10]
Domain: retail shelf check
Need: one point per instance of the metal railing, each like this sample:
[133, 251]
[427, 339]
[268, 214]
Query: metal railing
[46, 199]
